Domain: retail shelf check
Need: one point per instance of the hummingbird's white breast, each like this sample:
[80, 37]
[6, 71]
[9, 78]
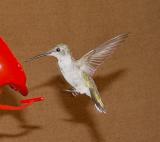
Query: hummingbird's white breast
[73, 75]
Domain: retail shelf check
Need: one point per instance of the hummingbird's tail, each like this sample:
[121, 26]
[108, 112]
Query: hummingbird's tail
[97, 100]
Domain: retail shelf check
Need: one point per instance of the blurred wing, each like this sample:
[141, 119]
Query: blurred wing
[91, 61]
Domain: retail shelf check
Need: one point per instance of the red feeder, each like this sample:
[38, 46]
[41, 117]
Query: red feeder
[12, 74]
[11, 71]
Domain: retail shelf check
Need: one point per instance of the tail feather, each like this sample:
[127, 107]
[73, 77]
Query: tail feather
[97, 100]
[100, 108]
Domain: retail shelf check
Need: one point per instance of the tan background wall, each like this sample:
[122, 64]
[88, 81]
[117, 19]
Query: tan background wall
[128, 82]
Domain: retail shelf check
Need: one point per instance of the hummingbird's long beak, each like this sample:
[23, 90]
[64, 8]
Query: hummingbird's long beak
[38, 56]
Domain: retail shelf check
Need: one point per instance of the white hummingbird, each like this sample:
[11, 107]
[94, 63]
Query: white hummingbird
[79, 73]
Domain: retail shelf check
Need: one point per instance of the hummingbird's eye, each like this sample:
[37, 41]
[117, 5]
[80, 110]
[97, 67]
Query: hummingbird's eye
[58, 49]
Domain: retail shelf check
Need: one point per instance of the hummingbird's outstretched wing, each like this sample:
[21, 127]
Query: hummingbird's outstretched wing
[90, 61]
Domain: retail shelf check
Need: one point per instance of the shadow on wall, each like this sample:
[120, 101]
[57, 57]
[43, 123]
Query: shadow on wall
[77, 107]
[8, 97]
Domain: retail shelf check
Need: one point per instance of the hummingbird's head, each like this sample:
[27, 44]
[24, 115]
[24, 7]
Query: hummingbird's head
[59, 51]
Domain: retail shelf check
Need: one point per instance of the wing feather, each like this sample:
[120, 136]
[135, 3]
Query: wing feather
[93, 59]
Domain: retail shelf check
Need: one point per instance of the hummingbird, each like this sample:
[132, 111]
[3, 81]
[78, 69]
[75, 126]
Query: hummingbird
[79, 73]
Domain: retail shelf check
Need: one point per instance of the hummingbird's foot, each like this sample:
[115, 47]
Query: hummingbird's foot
[74, 94]
[73, 91]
